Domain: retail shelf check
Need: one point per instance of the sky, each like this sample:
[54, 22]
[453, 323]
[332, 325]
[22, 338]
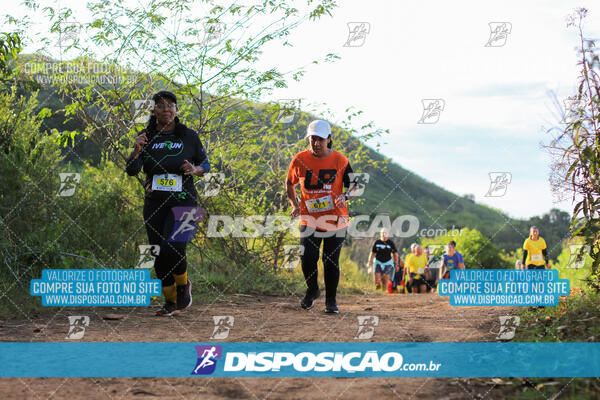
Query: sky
[497, 100]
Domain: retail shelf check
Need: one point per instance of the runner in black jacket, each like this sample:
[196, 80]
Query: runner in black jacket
[170, 154]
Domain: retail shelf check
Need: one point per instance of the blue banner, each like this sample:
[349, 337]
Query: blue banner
[503, 287]
[95, 287]
[285, 359]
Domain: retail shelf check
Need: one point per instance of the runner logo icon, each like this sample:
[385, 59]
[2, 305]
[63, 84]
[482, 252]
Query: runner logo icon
[287, 110]
[499, 32]
[508, 327]
[291, 255]
[207, 359]
[141, 109]
[77, 325]
[68, 183]
[357, 33]
[223, 324]
[366, 326]
[148, 254]
[186, 219]
[578, 255]
[212, 182]
[358, 182]
[432, 109]
[498, 184]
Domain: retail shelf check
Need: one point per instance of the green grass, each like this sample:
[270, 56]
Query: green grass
[216, 278]
[575, 319]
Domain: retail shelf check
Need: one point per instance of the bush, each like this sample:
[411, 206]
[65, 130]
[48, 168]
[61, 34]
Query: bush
[478, 251]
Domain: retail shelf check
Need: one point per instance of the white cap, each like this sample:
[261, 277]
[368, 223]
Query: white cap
[318, 128]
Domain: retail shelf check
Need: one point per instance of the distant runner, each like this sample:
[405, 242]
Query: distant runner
[415, 264]
[451, 259]
[406, 276]
[398, 280]
[535, 253]
[432, 270]
[386, 260]
[322, 174]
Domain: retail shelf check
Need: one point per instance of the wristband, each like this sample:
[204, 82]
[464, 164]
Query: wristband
[346, 196]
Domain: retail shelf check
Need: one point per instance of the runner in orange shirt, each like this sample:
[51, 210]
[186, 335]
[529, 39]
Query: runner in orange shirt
[322, 174]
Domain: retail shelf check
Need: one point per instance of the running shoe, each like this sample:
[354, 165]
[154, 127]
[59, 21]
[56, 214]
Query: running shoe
[331, 306]
[308, 301]
[168, 310]
[184, 296]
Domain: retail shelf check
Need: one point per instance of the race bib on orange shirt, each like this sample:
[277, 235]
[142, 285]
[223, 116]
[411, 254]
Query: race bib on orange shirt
[321, 181]
[321, 204]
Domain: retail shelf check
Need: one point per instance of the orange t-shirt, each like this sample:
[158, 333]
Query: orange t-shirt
[321, 181]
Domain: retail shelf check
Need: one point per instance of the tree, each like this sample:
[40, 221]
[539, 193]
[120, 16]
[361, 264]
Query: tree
[211, 62]
[27, 166]
[576, 149]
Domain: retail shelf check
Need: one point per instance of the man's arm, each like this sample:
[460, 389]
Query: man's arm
[407, 266]
[371, 258]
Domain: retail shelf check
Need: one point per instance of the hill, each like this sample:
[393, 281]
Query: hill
[391, 190]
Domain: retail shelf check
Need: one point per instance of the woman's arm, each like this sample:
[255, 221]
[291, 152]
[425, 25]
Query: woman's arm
[291, 195]
[205, 165]
[200, 159]
[545, 253]
[134, 163]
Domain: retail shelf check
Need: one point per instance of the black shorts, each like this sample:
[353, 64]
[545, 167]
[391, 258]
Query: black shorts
[531, 266]
[417, 282]
[430, 283]
[433, 275]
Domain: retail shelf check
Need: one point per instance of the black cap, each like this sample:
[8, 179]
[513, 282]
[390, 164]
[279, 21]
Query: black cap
[164, 94]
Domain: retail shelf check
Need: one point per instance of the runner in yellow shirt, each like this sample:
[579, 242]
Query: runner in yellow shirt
[415, 266]
[535, 253]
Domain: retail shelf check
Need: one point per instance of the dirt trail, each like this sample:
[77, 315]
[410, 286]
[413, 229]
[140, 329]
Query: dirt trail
[402, 318]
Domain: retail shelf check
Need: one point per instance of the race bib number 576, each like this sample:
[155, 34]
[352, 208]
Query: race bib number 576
[167, 182]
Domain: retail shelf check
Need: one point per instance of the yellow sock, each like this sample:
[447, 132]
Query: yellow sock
[170, 293]
[181, 280]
